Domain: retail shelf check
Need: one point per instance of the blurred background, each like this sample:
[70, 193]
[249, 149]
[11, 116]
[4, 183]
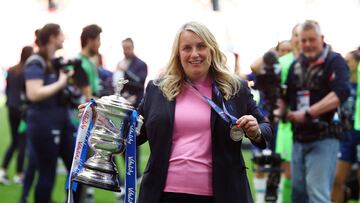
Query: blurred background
[246, 27]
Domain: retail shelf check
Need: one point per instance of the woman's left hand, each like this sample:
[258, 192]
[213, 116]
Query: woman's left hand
[250, 125]
[81, 109]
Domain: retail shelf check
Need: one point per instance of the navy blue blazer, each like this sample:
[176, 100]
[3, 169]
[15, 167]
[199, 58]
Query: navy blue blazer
[230, 183]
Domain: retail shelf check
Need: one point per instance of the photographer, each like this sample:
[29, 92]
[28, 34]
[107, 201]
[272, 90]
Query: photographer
[49, 127]
[317, 84]
[267, 162]
[71, 95]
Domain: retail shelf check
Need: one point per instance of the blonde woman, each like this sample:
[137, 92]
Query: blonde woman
[196, 150]
[193, 158]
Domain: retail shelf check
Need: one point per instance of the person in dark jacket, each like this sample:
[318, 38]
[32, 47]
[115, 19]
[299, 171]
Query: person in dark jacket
[135, 71]
[15, 94]
[317, 83]
[193, 115]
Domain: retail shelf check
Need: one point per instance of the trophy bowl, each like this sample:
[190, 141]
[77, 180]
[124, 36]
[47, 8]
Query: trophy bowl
[108, 138]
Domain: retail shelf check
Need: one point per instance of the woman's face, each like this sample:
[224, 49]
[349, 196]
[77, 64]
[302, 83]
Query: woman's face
[59, 40]
[295, 38]
[194, 56]
[284, 48]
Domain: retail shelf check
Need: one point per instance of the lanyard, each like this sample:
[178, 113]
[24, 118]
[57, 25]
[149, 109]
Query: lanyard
[223, 113]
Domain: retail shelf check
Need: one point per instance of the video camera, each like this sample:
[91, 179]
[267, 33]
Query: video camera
[61, 63]
[71, 94]
[269, 83]
[269, 162]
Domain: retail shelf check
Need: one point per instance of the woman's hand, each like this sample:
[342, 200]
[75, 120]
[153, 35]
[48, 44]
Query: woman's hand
[250, 125]
[81, 109]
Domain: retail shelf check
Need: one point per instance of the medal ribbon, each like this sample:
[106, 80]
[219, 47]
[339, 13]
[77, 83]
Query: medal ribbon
[130, 161]
[223, 113]
[86, 124]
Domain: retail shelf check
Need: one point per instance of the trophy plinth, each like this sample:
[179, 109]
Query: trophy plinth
[108, 138]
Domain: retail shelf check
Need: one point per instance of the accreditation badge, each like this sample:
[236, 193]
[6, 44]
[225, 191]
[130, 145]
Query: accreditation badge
[236, 133]
[303, 100]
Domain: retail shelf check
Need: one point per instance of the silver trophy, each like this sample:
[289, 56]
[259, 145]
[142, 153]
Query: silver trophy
[108, 138]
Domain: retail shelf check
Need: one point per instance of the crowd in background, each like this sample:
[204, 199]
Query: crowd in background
[41, 84]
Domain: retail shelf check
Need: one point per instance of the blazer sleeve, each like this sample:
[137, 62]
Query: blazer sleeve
[265, 127]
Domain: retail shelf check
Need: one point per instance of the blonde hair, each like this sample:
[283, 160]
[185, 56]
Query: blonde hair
[172, 80]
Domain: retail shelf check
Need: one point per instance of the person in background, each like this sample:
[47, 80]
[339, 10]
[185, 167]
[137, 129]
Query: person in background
[49, 127]
[105, 76]
[284, 134]
[351, 144]
[281, 49]
[317, 83]
[16, 103]
[284, 47]
[88, 79]
[135, 70]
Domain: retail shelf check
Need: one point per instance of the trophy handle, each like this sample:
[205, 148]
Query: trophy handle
[140, 122]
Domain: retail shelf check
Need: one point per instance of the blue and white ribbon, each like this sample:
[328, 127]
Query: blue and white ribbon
[86, 124]
[130, 161]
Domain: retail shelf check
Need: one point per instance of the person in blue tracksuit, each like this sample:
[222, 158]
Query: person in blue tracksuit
[49, 127]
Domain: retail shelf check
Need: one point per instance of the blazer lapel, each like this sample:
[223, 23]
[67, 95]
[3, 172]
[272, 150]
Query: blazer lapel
[217, 99]
[171, 112]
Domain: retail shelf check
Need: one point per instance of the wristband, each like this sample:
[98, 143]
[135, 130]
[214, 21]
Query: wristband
[257, 135]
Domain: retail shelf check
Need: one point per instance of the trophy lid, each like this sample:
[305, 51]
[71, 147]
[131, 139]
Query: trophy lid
[116, 101]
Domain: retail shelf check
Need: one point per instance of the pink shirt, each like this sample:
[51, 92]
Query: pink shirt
[190, 168]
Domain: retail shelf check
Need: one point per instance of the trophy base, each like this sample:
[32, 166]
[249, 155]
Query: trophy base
[99, 179]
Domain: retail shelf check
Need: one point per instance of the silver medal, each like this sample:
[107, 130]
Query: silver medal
[236, 133]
